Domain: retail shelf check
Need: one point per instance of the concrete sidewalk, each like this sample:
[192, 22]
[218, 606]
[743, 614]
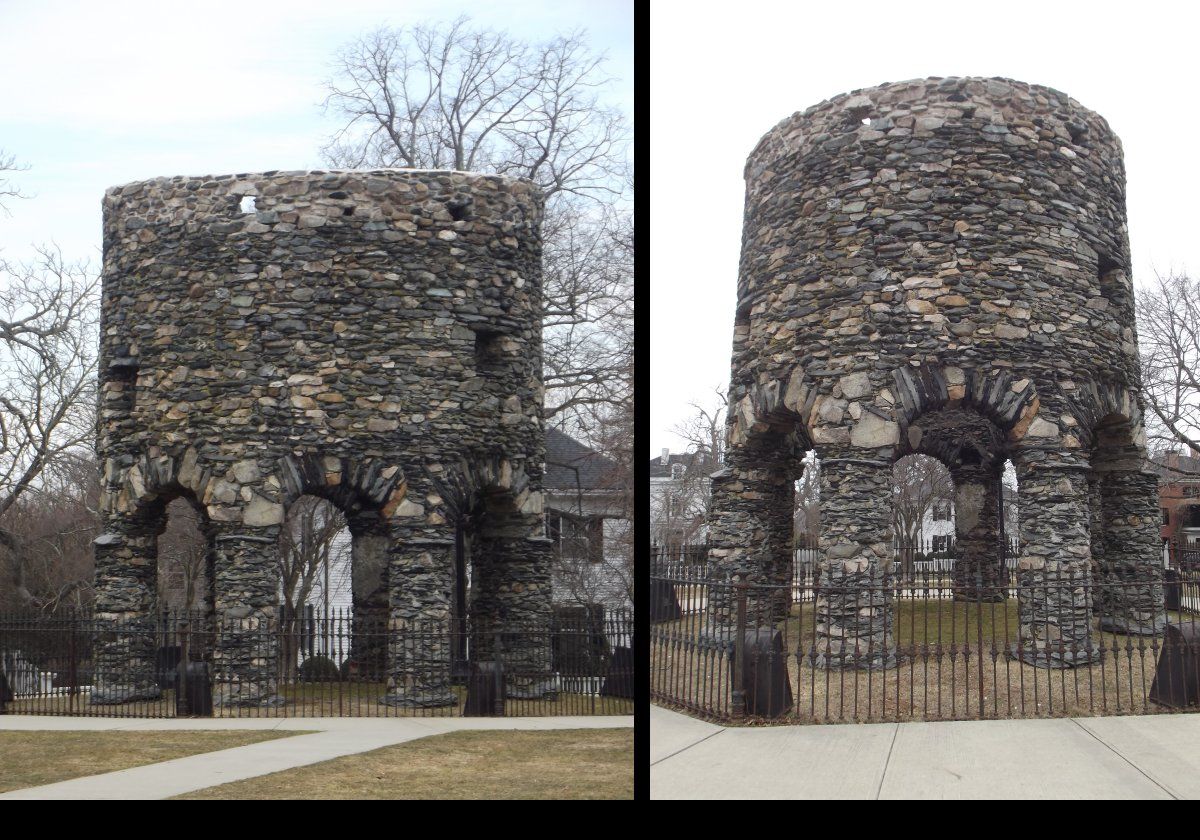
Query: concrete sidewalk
[331, 738]
[1146, 757]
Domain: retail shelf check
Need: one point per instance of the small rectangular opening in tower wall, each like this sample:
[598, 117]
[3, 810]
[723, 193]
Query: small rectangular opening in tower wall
[125, 373]
[489, 351]
[1112, 280]
[247, 204]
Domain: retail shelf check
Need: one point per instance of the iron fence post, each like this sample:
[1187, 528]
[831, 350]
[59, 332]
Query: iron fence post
[498, 682]
[181, 669]
[738, 698]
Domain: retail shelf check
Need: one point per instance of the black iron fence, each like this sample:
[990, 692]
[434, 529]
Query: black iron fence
[914, 560]
[335, 665]
[924, 649]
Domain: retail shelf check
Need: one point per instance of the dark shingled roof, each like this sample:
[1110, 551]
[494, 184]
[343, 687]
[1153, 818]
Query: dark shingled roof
[690, 461]
[572, 466]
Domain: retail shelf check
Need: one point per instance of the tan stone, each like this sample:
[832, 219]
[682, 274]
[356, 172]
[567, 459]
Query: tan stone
[1042, 428]
[855, 385]
[261, 512]
[873, 431]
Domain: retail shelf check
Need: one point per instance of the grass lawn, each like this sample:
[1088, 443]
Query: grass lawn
[41, 757]
[563, 764]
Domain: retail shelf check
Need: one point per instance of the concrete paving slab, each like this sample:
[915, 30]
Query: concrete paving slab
[788, 762]
[1009, 759]
[1165, 747]
[672, 732]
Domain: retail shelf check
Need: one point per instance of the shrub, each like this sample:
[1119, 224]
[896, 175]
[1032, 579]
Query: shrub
[319, 669]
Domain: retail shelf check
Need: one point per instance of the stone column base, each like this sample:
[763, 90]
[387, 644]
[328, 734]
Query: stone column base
[245, 698]
[1045, 655]
[116, 694]
[431, 697]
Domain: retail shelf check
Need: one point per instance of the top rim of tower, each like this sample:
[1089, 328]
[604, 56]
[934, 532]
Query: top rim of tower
[948, 85]
[229, 180]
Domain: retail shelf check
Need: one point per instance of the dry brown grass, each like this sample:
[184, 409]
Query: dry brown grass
[564, 764]
[41, 757]
[954, 664]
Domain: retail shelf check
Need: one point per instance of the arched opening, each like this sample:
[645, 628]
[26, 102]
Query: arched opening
[184, 579]
[315, 589]
[1010, 520]
[185, 587]
[922, 516]
[949, 501]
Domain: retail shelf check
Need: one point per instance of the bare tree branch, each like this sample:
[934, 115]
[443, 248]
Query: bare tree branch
[456, 96]
[1168, 315]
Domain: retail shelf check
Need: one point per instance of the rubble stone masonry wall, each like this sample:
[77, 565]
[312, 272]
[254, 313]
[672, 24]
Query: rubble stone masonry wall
[941, 266]
[373, 337]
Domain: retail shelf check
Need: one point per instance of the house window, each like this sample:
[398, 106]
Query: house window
[576, 538]
[676, 472]
[941, 511]
[941, 544]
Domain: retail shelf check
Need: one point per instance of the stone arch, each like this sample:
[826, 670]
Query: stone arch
[1098, 405]
[1012, 404]
[135, 501]
[501, 561]
[355, 485]
[773, 406]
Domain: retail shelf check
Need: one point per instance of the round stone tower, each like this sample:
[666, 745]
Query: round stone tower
[371, 337]
[941, 266]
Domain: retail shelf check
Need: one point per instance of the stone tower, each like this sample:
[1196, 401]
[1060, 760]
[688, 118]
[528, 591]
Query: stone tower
[941, 266]
[370, 337]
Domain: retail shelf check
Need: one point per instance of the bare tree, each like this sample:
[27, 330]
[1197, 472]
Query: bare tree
[1168, 320]
[456, 96]
[682, 503]
[308, 552]
[8, 163]
[182, 558]
[806, 522]
[46, 559]
[921, 482]
[601, 563]
[48, 317]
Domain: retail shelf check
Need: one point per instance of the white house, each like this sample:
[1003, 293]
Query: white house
[679, 490]
[587, 517]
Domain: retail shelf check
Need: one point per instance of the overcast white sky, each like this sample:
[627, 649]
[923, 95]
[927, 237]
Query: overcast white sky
[722, 75]
[101, 92]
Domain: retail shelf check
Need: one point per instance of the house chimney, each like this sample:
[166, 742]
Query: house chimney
[666, 456]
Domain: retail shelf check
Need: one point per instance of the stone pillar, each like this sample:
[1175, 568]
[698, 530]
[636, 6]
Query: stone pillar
[369, 592]
[420, 581]
[978, 574]
[750, 534]
[1131, 565]
[246, 666]
[126, 576]
[855, 575]
[1054, 578]
[511, 596]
